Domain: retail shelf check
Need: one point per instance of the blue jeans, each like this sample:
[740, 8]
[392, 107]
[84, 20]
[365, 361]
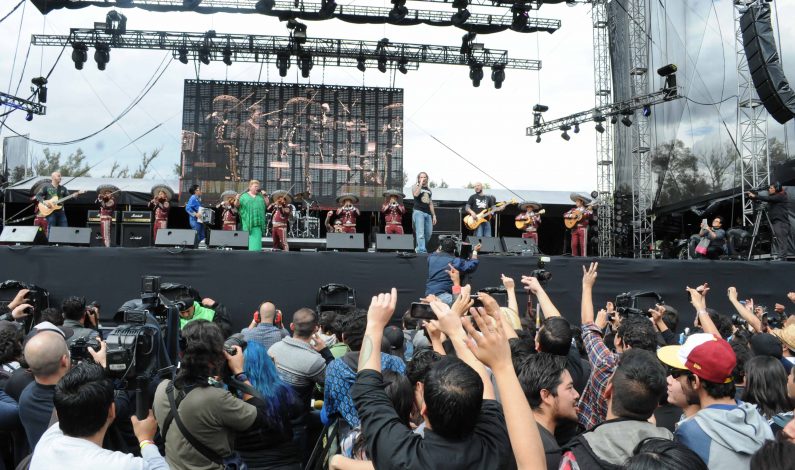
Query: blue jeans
[57, 219]
[195, 225]
[483, 230]
[423, 229]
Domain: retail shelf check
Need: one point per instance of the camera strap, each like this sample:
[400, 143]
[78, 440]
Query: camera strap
[173, 414]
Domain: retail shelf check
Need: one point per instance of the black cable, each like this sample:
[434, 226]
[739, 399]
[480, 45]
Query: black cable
[712, 104]
[12, 10]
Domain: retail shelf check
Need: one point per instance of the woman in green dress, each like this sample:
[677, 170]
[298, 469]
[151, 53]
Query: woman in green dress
[252, 205]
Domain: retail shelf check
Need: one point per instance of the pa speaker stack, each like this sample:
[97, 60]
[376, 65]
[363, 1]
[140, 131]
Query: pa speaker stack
[96, 230]
[75, 236]
[23, 235]
[136, 228]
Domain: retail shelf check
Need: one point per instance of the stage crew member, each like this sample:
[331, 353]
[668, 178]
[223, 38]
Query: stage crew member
[161, 195]
[579, 216]
[529, 220]
[779, 216]
[280, 210]
[393, 211]
[423, 215]
[106, 198]
[252, 205]
[228, 210]
[347, 212]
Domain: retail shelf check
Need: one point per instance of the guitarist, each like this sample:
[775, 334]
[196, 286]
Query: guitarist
[531, 219]
[579, 233]
[479, 202]
[54, 188]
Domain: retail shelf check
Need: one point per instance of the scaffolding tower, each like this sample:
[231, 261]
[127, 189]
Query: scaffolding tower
[603, 92]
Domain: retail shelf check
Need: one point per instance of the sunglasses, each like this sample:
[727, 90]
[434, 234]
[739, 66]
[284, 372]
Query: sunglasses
[676, 373]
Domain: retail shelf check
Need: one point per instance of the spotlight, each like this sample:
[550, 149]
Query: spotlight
[327, 8]
[41, 88]
[666, 70]
[576, 127]
[460, 17]
[626, 121]
[475, 73]
[115, 23]
[600, 128]
[191, 4]
[227, 52]
[538, 138]
[565, 135]
[460, 4]
[265, 6]
[498, 75]
[79, 54]
[520, 16]
[402, 65]
[399, 11]
[540, 108]
[305, 64]
[102, 55]
[299, 31]
[466, 43]
[382, 63]
[360, 63]
[283, 62]
[613, 119]
[183, 54]
[204, 55]
[594, 194]
[646, 111]
[29, 116]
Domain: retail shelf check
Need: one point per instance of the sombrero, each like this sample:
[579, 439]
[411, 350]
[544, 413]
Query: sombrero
[575, 196]
[282, 193]
[107, 187]
[227, 194]
[162, 187]
[39, 184]
[534, 205]
[345, 196]
[394, 192]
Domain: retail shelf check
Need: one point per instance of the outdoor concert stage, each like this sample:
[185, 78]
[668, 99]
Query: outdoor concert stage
[241, 279]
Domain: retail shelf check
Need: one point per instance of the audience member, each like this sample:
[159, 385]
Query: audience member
[766, 388]
[664, 454]
[52, 315]
[774, 456]
[208, 310]
[262, 328]
[742, 354]
[10, 350]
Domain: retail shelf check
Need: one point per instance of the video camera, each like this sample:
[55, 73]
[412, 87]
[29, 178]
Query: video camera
[541, 273]
[637, 302]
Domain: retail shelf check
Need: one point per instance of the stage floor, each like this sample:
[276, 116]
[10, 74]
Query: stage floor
[242, 279]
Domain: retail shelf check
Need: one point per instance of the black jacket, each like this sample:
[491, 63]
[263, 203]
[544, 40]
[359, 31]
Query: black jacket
[778, 208]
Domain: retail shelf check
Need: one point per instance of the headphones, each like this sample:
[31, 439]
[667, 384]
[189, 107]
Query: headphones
[777, 186]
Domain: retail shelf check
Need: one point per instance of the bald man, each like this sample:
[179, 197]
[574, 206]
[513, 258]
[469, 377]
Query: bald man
[262, 328]
[477, 203]
[48, 191]
[48, 359]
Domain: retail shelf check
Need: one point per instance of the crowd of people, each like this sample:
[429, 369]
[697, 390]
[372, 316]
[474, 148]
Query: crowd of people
[473, 385]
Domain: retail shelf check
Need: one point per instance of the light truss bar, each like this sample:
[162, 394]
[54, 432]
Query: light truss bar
[22, 104]
[605, 179]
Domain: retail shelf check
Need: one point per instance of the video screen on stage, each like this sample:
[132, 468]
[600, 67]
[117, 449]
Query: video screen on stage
[321, 139]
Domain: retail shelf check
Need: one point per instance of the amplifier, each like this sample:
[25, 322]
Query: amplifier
[136, 217]
[93, 217]
[136, 235]
[96, 230]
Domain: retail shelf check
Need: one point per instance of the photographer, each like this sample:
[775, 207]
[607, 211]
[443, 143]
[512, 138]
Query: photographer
[84, 401]
[208, 309]
[211, 414]
[83, 321]
[17, 308]
[778, 210]
[441, 262]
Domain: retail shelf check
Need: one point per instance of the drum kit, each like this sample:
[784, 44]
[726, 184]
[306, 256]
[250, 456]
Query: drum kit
[302, 223]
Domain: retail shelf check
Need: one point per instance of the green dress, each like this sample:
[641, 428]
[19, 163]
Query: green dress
[252, 218]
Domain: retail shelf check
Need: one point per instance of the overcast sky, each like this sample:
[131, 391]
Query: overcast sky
[484, 125]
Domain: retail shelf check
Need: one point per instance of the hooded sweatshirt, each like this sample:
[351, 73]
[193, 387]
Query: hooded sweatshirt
[610, 444]
[725, 436]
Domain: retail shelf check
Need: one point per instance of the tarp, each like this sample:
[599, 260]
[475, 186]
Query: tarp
[135, 192]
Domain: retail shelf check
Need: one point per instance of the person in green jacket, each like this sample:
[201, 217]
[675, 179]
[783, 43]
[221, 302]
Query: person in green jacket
[252, 205]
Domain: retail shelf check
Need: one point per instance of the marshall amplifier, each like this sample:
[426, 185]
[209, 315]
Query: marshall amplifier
[96, 231]
[136, 228]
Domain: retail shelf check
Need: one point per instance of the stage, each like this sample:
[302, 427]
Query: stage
[241, 279]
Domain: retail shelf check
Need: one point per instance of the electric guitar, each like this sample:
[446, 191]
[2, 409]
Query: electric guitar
[57, 204]
[485, 215]
[575, 217]
[524, 223]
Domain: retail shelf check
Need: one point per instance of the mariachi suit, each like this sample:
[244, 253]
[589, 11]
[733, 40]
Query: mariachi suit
[579, 234]
[531, 230]
[348, 218]
[106, 210]
[228, 216]
[161, 215]
[281, 217]
[393, 217]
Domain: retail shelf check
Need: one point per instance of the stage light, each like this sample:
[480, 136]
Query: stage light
[576, 127]
[498, 75]
[600, 128]
[402, 65]
[466, 43]
[305, 64]
[360, 63]
[538, 138]
[204, 55]
[540, 108]
[399, 11]
[41, 88]
[565, 135]
[79, 54]
[115, 23]
[475, 73]
[327, 8]
[666, 70]
[646, 111]
[382, 63]
[626, 121]
[594, 194]
[191, 4]
[183, 54]
[101, 55]
[283, 62]
[265, 6]
[613, 119]
[29, 116]
[460, 17]
[227, 53]
[520, 16]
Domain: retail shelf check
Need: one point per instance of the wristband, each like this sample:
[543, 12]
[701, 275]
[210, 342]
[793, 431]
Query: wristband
[145, 443]
[456, 290]
[241, 377]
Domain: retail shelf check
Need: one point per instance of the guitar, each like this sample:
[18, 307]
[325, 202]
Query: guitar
[523, 224]
[574, 218]
[485, 215]
[57, 204]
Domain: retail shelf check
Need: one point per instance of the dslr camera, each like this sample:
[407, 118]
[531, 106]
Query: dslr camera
[637, 302]
[540, 272]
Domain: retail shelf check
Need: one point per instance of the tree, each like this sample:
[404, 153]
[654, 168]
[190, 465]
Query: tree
[717, 163]
[434, 184]
[177, 169]
[116, 171]
[51, 162]
[471, 185]
[777, 151]
[677, 173]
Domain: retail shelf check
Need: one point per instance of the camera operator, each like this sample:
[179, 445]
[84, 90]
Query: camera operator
[441, 262]
[211, 414]
[83, 321]
[208, 309]
[84, 402]
[778, 210]
[17, 308]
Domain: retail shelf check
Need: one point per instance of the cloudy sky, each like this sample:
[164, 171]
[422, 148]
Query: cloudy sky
[484, 125]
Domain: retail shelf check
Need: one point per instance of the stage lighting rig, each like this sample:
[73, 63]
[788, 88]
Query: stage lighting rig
[183, 54]
[360, 62]
[565, 135]
[399, 11]
[382, 63]
[576, 127]
[115, 23]
[498, 75]
[298, 31]
[520, 16]
[101, 55]
[40, 88]
[669, 73]
[462, 15]
[283, 62]
[79, 54]
[475, 73]
[227, 54]
[538, 118]
[204, 55]
[327, 8]
[305, 64]
[21, 104]
[402, 65]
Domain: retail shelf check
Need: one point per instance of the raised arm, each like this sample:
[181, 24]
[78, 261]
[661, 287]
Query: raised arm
[586, 303]
[382, 306]
[747, 315]
[532, 284]
[698, 297]
[510, 285]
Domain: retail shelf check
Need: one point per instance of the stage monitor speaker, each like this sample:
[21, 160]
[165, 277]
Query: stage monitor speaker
[23, 234]
[136, 235]
[487, 244]
[764, 65]
[186, 238]
[235, 239]
[520, 245]
[394, 242]
[78, 236]
[345, 241]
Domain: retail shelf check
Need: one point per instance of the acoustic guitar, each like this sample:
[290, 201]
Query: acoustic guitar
[523, 224]
[57, 204]
[485, 215]
[574, 218]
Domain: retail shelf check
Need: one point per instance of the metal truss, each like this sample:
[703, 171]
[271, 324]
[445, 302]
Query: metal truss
[269, 49]
[605, 179]
[22, 104]
[751, 123]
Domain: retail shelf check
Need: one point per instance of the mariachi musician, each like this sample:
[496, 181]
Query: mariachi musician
[281, 210]
[106, 198]
[161, 195]
[529, 220]
[576, 220]
[347, 212]
[393, 211]
[228, 210]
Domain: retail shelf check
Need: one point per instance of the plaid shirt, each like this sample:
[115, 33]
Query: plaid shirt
[593, 404]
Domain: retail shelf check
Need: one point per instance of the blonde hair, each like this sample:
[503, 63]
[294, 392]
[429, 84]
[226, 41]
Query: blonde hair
[254, 181]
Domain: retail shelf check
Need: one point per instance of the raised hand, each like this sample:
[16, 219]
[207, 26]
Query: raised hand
[732, 293]
[531, 284]
[507, 282]
[698, 296]
[454, 274]
[382, 306]
[448, 320]
[490, 345]
[489, 304]
[601, 319]
[589, 275]
[463, 302]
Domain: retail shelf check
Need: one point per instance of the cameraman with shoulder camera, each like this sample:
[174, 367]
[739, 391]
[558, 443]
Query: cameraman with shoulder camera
[82, 320]
[778, 210]
[441, 262]
[210, 414]
[208, 309]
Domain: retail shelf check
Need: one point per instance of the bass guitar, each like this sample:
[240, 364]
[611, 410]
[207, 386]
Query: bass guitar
[524, 223]
[485, 215]
[55, 203]
[573, 218]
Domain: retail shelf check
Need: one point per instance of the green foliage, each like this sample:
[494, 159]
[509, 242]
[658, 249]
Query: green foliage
[116, 171]
[50, 162]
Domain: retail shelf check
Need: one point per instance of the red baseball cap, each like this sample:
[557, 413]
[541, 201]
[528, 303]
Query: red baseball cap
[705, 355]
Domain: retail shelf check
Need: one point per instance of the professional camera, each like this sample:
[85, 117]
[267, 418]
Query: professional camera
[236, 339]
[739, 321]
[78, 350]
[540, 273]
[775, 320]
[37, 297]
[637, 302]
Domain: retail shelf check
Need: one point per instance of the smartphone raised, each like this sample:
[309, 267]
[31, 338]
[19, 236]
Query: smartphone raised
[421, 311]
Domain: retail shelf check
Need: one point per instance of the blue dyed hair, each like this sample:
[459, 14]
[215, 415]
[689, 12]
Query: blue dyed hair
[261, 371]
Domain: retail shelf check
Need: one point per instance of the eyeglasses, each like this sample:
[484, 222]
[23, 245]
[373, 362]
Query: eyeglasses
[676, 373]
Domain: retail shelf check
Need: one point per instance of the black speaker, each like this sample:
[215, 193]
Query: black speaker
[96, 234]
[236, 239]
[487, 244]
[187, 238]
[23, 234]
[345, 241]
[520, 245]
[136, 235]
[394, 242]
[78, 236]
[764, 65]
